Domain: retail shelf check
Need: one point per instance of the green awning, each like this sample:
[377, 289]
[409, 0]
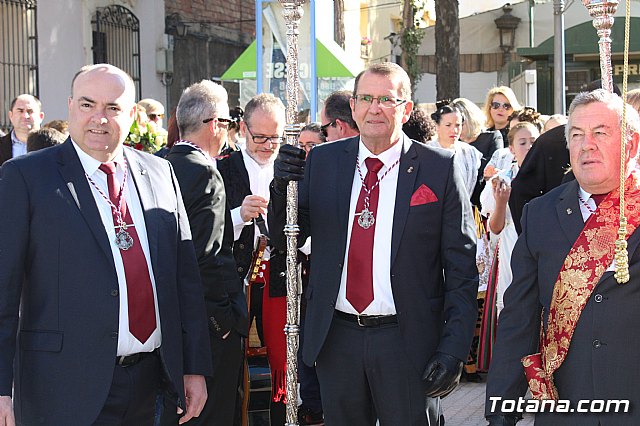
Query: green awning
[331, 62]
[583, 39]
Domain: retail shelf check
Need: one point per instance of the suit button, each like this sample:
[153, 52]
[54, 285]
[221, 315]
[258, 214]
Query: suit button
[597, 344]
[282, 274]
[114, 335]
[241, 246]
[339, 265]
[598, 298]
[114, 292]
[240, 269]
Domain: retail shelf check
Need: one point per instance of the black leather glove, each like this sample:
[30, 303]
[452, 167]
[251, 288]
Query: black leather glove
[500, 420]
[442, 374]
[289, 166]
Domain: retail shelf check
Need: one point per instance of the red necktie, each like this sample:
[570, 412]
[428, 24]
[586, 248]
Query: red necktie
[142, 317]
[597, 198]
[360, 260]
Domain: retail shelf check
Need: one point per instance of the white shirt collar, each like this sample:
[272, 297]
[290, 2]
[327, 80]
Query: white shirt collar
[387, 157]
[90, 164]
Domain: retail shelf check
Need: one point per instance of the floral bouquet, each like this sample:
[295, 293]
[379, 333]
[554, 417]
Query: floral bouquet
[146, 137]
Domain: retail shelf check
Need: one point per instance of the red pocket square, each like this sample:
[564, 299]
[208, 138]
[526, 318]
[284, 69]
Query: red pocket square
[423, 195]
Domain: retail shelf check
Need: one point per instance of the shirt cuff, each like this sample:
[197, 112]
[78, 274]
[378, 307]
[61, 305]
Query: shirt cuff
[238, 224]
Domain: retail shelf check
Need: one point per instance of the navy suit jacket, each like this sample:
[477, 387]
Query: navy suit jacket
[59, 305]
[434, 278]
[602, 359]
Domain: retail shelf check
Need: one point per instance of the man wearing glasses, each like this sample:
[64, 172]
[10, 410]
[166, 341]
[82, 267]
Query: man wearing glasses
[203, 117]
[391, 302]
[247, 175]
[337, 122]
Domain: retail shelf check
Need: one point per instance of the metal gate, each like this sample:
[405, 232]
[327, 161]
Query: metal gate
[116, 41]
[18, 53]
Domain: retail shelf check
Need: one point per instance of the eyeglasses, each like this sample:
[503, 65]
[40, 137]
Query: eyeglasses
[383, 101]
[307, 146]
[154, 116]
[496, 105]
[220, 120]
[323, 128]
[260, 139]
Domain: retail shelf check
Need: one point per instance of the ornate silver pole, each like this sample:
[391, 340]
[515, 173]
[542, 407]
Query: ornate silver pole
[602, 12]
[292, 16]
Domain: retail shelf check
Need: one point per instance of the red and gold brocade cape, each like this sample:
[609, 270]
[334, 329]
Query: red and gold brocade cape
[588, 259]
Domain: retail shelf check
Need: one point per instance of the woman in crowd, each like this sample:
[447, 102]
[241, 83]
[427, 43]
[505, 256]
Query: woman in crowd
[448, 129]
[503, 235]
[310, 136]
[503, 158]
[487, 142]
[500, 104]
[474, 133]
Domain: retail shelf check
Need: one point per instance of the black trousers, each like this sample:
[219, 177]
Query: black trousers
[222, 388]
[132, 397]
[365, 375]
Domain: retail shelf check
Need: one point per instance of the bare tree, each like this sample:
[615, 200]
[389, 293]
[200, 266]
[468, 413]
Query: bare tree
[338, 13]
[447, 49]
[410, 41]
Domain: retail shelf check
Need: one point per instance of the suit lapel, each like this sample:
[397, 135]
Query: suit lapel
[344, 183]
[568, 211]
[407, 172]
[138, 172]
[78, 188]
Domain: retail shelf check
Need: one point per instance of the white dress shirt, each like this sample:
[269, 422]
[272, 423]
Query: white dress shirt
[383, 303]
[18, 147]
[259, 179]
[127, 343]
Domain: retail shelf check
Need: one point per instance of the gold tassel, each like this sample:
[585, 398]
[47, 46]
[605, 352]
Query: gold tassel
[622, 256]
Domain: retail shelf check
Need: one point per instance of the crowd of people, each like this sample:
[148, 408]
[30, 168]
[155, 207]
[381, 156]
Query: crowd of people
[437, 242]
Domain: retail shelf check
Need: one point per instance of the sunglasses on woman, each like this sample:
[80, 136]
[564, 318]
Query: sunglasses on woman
[496, 105]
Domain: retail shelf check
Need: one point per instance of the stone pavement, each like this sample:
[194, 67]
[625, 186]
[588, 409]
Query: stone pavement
[465, 406]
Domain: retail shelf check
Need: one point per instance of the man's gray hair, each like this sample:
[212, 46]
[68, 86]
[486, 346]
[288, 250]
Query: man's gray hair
[263, 102]
[613, 101]
[198, 102]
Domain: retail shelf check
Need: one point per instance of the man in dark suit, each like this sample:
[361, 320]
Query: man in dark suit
[563, 265]
[25, 114]
[247, 175]
[392, 293]
[203, 116]
[337, 122]
[542, 170]
[101, 298]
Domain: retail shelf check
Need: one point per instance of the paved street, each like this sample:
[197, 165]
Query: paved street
[465, 407]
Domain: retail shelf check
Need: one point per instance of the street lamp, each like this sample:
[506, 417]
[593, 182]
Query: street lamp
[174, 23]
[507, 25]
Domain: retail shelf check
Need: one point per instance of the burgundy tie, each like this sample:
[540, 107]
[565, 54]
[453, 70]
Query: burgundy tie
[360, 260]
[597, 198]
[142, 317]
